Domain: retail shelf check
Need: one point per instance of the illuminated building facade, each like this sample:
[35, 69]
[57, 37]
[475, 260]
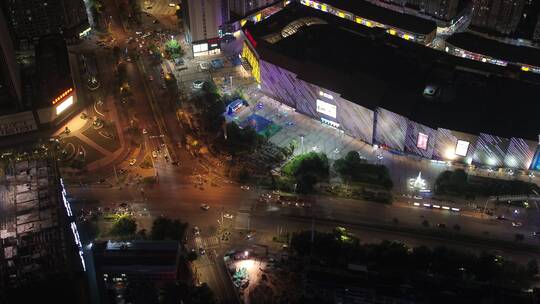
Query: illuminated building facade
[364, 83]
[56, 85]
[202, 21]
[401, 25]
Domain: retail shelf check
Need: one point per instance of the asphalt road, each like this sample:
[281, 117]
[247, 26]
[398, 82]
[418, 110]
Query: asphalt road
[177, 196]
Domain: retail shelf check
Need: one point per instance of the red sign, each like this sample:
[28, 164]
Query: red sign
[250, 38]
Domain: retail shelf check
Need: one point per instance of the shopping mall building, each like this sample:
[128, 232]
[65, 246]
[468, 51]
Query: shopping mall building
[382, 85]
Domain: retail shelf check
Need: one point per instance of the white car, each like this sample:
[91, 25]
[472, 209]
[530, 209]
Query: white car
[517, 224]
[196, 231]
[228, 215]
[132, 162]
[198, 84]
[144, 131]
[244, 187]
[154, 154]
[205, 207]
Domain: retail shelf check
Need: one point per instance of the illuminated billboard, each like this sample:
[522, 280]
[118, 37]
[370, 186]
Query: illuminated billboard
[64, 105]
[462, 147]
[422, 141]
[326, 108]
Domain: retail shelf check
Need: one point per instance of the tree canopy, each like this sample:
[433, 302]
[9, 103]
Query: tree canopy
[124, 226]
[164, 228]
[355, 169]
[307, 169]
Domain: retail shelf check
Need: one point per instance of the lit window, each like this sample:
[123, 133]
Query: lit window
[462, 147]
[422, 141]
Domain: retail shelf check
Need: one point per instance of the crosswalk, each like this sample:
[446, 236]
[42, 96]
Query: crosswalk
[203, 242]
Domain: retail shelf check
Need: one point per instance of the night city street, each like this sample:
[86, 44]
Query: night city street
[239, 151]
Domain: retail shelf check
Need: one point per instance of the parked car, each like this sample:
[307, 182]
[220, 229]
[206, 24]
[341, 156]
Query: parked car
[228, 215]
[244, 187]
[196, 231]
[517, 224]
[205, 207]
[132, 162]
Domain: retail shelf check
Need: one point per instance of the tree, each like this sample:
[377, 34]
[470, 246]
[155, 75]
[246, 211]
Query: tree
[166, 229]
[124, 226]
[307, 169]
[241, 140]
[173, 49]
[352, 168]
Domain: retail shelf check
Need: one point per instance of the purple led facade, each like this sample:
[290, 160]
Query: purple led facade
[397, 132]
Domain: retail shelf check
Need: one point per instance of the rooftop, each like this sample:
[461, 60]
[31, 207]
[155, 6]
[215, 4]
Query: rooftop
[32, 226]
[495, 49]
[385, 16]
[379, 70]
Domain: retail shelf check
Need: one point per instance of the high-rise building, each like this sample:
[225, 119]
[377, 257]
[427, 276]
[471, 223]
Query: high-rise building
[202, 22]
[10, 78]
[31, 19]
[501, 16]
[244, 7]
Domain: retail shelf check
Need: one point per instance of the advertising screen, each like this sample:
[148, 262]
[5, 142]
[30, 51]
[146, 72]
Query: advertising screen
[64, 105]
[326, 108]
[462, 147]
[422, 141]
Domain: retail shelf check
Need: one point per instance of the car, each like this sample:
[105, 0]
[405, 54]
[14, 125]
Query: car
[202, 251]
[441, 225]
[204, 66]
[517, 224]
[196, 231]
[163, 86]
[154, 154]
[172, 4]
[535, 233]
[228, 215]
[380, 156]
[151, 78]
[132, 161]
[144, 131]
[205, 207]
[198, 84]
[244, 187]
[501, 217]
